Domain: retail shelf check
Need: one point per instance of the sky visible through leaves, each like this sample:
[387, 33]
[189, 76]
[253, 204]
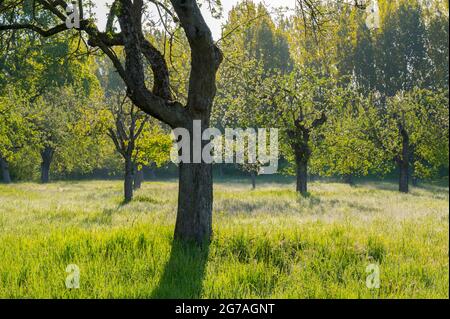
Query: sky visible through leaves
[214, 24]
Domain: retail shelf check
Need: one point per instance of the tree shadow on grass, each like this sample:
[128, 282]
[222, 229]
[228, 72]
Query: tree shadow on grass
[184, 272]
[308, 199]
[434, 190]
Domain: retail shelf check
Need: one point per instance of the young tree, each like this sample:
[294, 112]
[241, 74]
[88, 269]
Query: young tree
[406, 52]
[131, 132]
[412, 132]
[129, 129]
[303, 102]
[46, 67]
[129, 123]
[239, 103]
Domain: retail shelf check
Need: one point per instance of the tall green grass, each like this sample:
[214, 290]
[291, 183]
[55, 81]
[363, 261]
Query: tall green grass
[267, 243]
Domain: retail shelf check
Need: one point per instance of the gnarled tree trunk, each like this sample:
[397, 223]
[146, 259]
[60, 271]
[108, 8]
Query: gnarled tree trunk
[300, 137]
[47, 157]
[4, 166]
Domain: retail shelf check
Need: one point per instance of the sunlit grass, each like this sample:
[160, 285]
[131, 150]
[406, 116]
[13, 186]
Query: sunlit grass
[268, 243]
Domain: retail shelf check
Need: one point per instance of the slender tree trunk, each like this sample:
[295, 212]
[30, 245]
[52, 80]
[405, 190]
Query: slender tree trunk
[302, 152]
[47, 157]
[4, 166]
[128, 182]
[404, 163]
[404, 176]
[301, 160]
[415, 181]
[253, 177]
[138, 178]
[302, 177]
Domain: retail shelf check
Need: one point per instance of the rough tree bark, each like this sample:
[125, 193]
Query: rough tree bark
[47, 157]
[4, 166]
[195, 200]
[195, 197]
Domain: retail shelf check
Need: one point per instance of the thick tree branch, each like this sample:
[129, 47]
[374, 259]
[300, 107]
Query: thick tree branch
[42, 32]
[159, 107]
[161, 83]
[206, 57]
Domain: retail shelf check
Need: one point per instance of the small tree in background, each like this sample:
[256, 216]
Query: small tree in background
[421, 143]
[132, 131]
[412, 132]
[16, 130]
[127, 125]
[303, 101]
